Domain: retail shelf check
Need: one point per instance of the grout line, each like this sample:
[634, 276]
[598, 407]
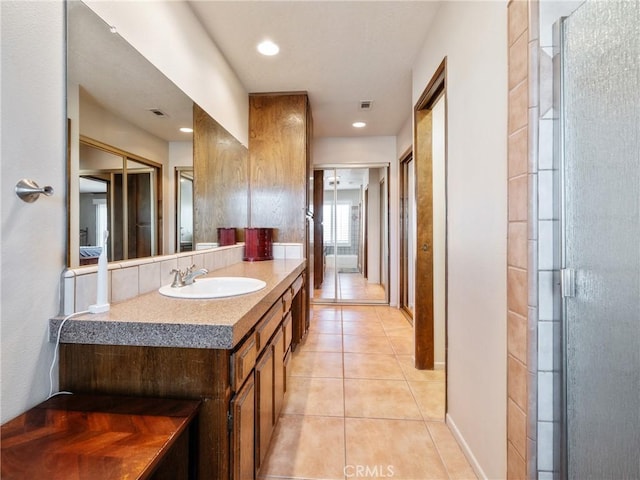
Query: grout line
[435, 444]
[344, 393]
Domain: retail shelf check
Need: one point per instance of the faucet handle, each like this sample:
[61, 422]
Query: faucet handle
[178, 278]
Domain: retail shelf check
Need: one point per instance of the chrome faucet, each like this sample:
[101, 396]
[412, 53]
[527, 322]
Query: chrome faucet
[190, 275]
[180, 278]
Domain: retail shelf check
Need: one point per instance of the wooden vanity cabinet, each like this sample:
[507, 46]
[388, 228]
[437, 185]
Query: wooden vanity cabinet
[241, 390]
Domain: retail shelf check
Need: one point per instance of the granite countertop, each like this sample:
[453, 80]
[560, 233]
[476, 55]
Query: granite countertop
[154, 320]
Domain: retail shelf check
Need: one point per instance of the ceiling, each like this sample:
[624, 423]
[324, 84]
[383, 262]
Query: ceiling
[114, 75]
[340, 52]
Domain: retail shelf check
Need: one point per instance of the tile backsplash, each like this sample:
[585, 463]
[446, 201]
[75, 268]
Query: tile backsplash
[130, 278]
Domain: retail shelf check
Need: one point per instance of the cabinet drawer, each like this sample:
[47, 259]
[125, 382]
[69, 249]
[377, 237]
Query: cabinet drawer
[242, 361]
[287, 297]
[268, 325]
[287, 327]
[297, 285]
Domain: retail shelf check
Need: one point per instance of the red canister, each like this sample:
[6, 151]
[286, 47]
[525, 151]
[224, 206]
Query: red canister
[258, 244]
[226, 236]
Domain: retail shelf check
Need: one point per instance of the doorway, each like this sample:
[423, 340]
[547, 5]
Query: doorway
[428, 203]
[351, 235]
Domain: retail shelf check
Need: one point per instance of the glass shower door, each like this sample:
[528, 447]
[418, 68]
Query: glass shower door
[601, 236]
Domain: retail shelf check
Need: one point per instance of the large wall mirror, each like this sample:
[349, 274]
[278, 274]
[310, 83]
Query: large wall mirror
[126, 141]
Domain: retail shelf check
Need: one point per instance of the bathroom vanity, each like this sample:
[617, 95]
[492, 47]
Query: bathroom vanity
[230, 353]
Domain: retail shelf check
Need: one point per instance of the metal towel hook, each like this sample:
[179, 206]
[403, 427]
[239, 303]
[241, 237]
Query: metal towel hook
[29, 191]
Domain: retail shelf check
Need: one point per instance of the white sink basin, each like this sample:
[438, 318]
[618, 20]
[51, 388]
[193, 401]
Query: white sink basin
[214, 287]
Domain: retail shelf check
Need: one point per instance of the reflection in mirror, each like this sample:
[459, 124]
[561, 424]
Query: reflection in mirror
[353, 234]
[120, 103]
[117, 193]
[184, 209]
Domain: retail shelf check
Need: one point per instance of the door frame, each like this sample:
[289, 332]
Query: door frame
[405, 158]
[423, 318]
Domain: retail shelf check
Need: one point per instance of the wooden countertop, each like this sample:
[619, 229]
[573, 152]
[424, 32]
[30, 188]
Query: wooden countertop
[93, 437]
[157, 321]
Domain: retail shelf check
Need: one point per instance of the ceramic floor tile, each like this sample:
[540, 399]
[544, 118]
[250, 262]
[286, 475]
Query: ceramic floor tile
[454, 460]
[398, 449]
[326, 313]
[399, 325]
[381, 404]
[411, 373]
[430, 397]
[321, 342]
[314, 396]
[402, 345]
[389, 312]
[333, 327]
[354, 314]
[358, 344]
[316, 364]
[373, 329]
[308, 447]
[379, 399]
[374, 366]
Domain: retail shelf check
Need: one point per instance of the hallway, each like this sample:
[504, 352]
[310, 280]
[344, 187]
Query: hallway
[356, 407]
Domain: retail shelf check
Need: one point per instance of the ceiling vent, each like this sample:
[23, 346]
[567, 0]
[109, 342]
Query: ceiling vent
[366, 105]
[158, 113]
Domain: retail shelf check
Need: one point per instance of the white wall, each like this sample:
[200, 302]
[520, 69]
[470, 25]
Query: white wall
[168, 34]
[33, 235]
[405, 137]
[472, 35]
[368, 151]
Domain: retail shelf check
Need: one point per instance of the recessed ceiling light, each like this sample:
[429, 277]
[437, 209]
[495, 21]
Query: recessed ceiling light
[268, 48]
[186, 130]
[359, 124]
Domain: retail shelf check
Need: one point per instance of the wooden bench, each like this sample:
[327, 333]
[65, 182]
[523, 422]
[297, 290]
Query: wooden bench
[101, 437]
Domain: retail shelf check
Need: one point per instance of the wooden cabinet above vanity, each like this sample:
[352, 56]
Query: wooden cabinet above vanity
[229, 353]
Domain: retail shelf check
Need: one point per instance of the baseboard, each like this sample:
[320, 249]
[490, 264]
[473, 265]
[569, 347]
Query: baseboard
[465, 448]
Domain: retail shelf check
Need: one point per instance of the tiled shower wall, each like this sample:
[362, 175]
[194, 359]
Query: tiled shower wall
[534, 411]
[522, 236]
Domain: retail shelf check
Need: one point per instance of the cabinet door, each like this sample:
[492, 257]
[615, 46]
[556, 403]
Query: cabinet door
[242, 438]
[278, 374]
[264, 423]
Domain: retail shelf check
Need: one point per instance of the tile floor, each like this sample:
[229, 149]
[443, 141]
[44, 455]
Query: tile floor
[351, 286]
[356, 408]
